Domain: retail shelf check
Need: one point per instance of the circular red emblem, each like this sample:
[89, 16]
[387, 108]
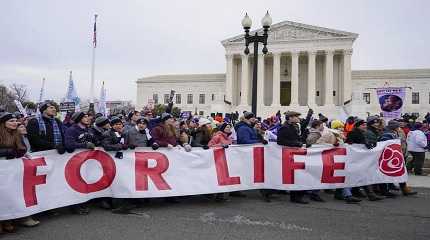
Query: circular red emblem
[391, 162]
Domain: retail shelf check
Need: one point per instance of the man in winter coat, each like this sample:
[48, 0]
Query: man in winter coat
[164, 134]
[138, 136]
[245, 131]
[78, 136]
[101, 125]
[45, 132]
[289, 135]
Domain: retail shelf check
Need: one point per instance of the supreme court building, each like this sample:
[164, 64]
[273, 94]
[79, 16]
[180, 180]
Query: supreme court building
[307, 66]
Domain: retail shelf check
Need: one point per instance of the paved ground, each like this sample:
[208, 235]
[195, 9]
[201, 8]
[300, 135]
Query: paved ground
[246, 218]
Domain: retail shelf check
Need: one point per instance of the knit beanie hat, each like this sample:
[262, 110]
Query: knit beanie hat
[77, 116]
[223, 126]
[142, 121]
[115, 120]
[337, 124]
[393, 124]
[372, 120]
[45, 106]
[248, 115]
[6, 116]
[359, 122]
[101, 121]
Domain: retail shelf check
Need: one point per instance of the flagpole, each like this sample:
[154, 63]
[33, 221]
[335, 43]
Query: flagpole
[42, 91]
[93, 62]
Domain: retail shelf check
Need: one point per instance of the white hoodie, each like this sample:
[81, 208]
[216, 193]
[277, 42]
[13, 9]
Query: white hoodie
[417, 141]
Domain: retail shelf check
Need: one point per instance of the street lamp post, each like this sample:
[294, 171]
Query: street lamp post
[246, 23]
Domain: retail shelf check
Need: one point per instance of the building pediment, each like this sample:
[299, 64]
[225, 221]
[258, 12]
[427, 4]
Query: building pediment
[292, 31]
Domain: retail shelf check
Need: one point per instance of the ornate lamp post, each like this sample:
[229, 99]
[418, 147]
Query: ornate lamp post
[246, 23]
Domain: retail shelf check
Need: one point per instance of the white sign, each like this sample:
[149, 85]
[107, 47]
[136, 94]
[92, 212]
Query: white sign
[48, 180]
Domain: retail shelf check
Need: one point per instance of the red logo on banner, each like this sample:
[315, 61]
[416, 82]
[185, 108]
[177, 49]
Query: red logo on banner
[391, 162]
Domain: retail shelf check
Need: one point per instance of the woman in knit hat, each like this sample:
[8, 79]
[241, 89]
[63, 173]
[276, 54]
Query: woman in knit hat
[222, 138]
[203, 134]
[11, 147]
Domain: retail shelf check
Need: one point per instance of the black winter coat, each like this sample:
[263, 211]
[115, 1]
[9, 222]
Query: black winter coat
[42, 142]
[111, 142]
[288, 135]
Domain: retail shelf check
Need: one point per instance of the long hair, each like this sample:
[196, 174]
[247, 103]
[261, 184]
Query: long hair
[10, 138]
[170, 129]
[205, 134]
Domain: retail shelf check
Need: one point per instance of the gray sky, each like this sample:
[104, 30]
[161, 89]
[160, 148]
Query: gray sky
[48, 38]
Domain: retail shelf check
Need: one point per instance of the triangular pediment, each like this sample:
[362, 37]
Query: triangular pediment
[292, 31]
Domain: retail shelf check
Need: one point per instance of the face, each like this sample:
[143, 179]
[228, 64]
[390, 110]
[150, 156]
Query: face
[227, 129]
[141, 126]
[258, 125]
[294, 119]
[106, 126]
[363, 127]
[135, 117]
[51, 111]
[320, 127]
[86, 120]
[22, 129]
[118, 127]
[11, 124]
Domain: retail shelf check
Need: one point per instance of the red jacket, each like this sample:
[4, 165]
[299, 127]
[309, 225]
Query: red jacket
[160, 136]
[219, 139]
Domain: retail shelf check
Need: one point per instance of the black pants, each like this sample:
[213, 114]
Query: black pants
[417, 162]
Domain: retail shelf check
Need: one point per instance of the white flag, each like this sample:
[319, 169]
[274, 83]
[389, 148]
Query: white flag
[71, 95]
[102, 101]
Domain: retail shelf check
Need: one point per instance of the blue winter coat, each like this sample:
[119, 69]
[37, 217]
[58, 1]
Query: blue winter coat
[76, 137]
[246, 134]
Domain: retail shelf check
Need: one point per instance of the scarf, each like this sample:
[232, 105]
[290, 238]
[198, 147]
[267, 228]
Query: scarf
[56, 130]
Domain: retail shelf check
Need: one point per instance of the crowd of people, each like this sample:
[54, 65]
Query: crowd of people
[81, 130]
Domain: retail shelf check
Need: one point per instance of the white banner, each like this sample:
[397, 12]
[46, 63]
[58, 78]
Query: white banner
[47, 180]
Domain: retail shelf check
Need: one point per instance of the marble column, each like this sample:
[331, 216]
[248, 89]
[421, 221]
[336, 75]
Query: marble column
[294, 78]
[260, 81]
[229, 78]
[347, 82]
[276, 80]
[329, 77]
[311, 78]
[244, 81]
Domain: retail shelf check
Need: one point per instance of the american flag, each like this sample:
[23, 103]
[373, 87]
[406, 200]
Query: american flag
[95, 32]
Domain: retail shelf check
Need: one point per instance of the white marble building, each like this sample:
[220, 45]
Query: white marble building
[307, 66]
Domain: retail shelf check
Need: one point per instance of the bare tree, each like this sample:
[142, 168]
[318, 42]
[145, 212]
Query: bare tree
[6, 99]
[20, 92]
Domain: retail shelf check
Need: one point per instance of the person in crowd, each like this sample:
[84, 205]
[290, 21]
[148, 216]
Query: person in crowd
[245, 131]
[203, 134]
[375, 128]
[184, 138]
[100, 126]
[392, 131]
[114, 141]
[132, 118]
[222, 138]
[315, 133]
[78, 136]
[137, 136]
[349, 125]
[358, 136]
[12, 146]
[67, 122]
[45, 131]
[164, 135]
[417, 146]
[290, 135]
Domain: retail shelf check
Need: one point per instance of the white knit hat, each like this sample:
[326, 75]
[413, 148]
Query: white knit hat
[204, 121]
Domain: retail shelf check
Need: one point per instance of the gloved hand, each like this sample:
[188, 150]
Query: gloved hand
[10, 154]
[155, 146]
[336, 144]
[205, 147]
[60, 149]
[124, 146]
[169, 146]
[90, 145]
[310, 112]
[187, 147]
[224, 146]
[265, 142]
[308, 145]
[370, 145]
[132, 147]
[119, 155]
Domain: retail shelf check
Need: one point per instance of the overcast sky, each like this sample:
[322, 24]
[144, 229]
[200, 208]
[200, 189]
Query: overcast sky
[137, 38]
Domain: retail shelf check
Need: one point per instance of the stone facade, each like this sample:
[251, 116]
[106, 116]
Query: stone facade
[307, 66]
